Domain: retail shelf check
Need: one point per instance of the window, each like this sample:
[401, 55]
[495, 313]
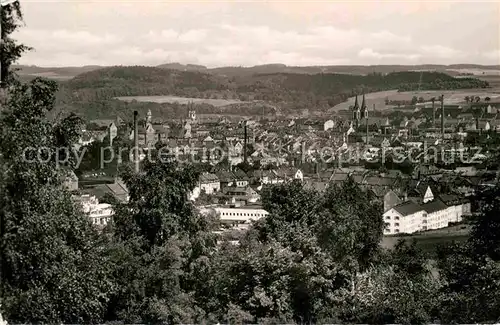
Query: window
[396, 218]
[388, 218]
[396, 225]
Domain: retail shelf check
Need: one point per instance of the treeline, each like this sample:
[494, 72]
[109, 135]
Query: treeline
[439, 84]
[315, 259]
[289, 91]
[165, 111]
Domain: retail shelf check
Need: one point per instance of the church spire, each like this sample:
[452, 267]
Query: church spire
[355, 110]
[364, 108]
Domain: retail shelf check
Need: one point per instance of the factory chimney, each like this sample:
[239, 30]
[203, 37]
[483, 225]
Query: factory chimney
[442, 116]
[136, 142]
[245, 143]
[433, 99]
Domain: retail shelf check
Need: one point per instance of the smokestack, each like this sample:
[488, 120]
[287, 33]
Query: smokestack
[366, 130]
[245, 144]
[136, 142]
[442, 115]
[4, 69]
[433, 114]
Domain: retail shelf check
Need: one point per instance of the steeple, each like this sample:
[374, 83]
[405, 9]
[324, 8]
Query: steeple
[364, 108]
[355, 110]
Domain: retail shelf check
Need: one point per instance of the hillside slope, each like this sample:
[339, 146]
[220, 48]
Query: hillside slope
[290, 92]
[111, 82]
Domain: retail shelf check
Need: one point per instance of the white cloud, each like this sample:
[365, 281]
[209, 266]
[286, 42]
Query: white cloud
[193, 36]
[162, 36]
[172, 36]
[219, 34]
[371, 54]
[444, 52]
[494, 56]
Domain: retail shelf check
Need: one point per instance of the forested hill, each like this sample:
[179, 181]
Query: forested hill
[65, 73]
[111, 82]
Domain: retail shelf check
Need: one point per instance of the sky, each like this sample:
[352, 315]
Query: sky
[235, 33]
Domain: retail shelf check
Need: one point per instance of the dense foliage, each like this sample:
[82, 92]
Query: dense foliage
[316, 258]
[53, 265]
[10, 50]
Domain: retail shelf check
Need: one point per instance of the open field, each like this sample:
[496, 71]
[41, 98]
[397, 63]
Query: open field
[494, 81]
[477, 71]
[450, 97]
[51, 75]
[181, 100]
[429, 240]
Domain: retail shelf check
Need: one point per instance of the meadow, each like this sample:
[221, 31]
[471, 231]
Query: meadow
[431, 239]
[450, 96]
[181, 100]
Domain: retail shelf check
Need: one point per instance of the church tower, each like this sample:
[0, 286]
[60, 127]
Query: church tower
[356, 113]
[192, 112]
[149, 118]
[364, 108]
[364, 115]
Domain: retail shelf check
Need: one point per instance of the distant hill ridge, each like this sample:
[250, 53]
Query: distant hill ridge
[285, 89]
[69, 72]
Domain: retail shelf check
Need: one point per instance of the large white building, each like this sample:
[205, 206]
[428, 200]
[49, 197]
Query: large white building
[433, 213]
[232, 215]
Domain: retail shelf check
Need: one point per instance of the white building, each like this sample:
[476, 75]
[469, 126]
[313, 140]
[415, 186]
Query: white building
[100, 214]
[236, 149]
[328, 125]
[409, 217]
[207, 183]
[403, 218]
[239, 215]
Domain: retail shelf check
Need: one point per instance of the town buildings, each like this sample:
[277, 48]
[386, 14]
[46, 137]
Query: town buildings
[426, 193]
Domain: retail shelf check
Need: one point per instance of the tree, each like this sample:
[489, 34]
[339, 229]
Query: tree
[471, 284]
[356, 212]
[54, 263]
[487, 99]
[471, 270]
[343, 227]
[477, 99]
[161, 248]
[414, 100]
[467, 99]
[485, 236]
[10, 50]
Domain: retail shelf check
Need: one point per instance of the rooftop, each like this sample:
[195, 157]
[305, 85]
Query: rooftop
[434, 206]
[408, 208]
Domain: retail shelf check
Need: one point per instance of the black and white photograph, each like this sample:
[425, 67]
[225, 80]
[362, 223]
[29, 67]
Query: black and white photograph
[249, 162]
